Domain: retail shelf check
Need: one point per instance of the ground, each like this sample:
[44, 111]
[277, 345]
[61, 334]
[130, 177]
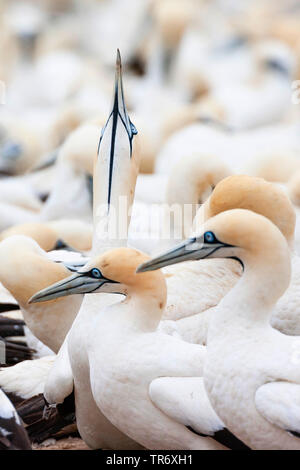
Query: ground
[68, 443]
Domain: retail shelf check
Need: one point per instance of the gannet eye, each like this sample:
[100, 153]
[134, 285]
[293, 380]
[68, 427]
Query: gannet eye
[133, 129]
[96, 273]
[209, 237]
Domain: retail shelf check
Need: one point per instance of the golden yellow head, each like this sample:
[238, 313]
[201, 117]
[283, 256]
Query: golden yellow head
[251, 193]
[120, 266]
[112, 272]
[240, 234]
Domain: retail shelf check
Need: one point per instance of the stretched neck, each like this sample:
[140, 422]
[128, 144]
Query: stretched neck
[144, 309]
[251, 301]
[114, 186]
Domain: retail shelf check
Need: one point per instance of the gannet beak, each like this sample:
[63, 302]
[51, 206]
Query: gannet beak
[118, 133]
[191, 249]
[82, 282]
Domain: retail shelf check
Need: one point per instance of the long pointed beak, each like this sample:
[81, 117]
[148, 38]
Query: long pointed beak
[77, 283]
[119, 101]
[189, 250]
[118, 132]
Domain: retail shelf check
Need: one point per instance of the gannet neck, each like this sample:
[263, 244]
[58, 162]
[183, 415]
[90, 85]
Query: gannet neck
[265, 255]
[115, 173]
[255, 194]
[252, 300]
[143, 309]
[191, 182]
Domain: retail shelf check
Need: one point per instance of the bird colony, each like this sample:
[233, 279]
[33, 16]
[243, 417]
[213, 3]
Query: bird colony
[150, 224]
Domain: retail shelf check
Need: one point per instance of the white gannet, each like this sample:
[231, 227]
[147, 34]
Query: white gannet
[214, 278]
[252, 370]
[269, 200]
[121, 381]
[12, 433]
[115, 175]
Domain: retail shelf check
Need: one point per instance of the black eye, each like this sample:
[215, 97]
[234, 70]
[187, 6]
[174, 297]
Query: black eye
[209, 237]
[96, 273]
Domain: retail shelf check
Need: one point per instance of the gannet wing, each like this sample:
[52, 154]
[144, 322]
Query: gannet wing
[184, 399]
[59, 384]
[25, 379]
[12, 433]
[279, 403]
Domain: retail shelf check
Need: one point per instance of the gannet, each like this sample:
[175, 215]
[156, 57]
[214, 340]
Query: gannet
[267, 199]
[214, 278]
[251, 371]
[115, 175]
[120, 384]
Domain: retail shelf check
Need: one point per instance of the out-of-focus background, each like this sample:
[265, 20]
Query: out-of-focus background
[217, 75]
[213, 88]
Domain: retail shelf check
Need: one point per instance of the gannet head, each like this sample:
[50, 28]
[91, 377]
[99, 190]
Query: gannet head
[111, 272]
[240, 234]
[117, 136]
[74, 233]
[255, 194]
[116, 167]
[42, 233]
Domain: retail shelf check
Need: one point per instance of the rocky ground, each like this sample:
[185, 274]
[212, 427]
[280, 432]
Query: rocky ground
[68, 443]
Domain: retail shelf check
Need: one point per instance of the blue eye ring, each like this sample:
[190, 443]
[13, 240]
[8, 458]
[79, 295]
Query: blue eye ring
[209, 237]
[96, 273]
[133, 128]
